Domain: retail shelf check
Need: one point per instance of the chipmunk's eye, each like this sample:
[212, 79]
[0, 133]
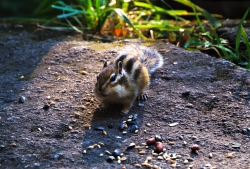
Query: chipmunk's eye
[113, 77]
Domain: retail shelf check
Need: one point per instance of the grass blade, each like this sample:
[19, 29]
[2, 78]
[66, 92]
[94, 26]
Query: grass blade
[122, 14]
[238, 34]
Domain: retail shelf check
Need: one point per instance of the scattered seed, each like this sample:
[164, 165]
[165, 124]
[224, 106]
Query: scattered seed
[133, 128]
[107, 152]
[159, 158]
[124, 132]
[100, 155]
[145, 131]
[148, 124]
[136, 131]
[123, 167]
[13, 144]
[173, 162]
[185, 161]
[173, 124]
[184, 143]
[194, 137]
[104, 132]
[144, 163]
[70, 128]
[144, 144]
[173, 165]
[148, 165]
[190, 159]
[118, 161]
[122, 154]
[84, 72]
[84, 151]
[142, 152]
[149, 158]
[123, 158]
[137, 147]
[86, 125]
[178, 156]
[210, 155]
[155, 154]
[130, 117]
[90, 147]
[101, 144]
[77, 115]
[95, 145]
[98, 146]
[137, 165]
[171, 143]
[129, 120]
[229, 155]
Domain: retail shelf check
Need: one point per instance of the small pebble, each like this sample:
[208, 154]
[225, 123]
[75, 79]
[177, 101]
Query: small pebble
[46, 106]
[99, 128]
[21, 99]
[111, 125]
[116, 153]
[134, 117]
[142, 152]
[131, 146]
[158, 138]
[122, 126]
[133, 128]
[110, 159]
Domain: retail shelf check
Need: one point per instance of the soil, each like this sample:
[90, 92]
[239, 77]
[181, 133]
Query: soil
[207, 98]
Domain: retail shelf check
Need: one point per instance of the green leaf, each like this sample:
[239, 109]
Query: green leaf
[194, 41]
[245, 38]
[206, 14]
[238, 34]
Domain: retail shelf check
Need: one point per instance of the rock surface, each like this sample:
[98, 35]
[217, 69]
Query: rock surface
[207, 98]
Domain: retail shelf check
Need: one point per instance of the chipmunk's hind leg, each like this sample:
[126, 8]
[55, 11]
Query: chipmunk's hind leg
[142, 97]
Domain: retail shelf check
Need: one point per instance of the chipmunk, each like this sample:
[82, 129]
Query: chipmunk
[128, 77]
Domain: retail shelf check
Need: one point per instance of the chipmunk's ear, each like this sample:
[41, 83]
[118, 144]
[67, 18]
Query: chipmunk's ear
[105, 64]
[120, 67]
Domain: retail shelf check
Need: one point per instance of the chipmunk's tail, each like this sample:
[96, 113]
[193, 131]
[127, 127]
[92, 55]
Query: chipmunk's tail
[151, 59]
[148, 56]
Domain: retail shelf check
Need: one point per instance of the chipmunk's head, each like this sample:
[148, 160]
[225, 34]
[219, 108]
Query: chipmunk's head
[110, 80]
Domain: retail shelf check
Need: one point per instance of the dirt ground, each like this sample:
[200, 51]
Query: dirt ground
[207, 99]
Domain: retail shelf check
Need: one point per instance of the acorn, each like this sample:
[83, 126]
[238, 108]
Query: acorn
[150, 141]
[159, 147]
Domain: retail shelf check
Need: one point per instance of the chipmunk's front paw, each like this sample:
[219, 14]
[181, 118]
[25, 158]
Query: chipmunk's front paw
[142, 97]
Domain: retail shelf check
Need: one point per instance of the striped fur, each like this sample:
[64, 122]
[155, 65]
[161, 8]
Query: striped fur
[128, 77]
